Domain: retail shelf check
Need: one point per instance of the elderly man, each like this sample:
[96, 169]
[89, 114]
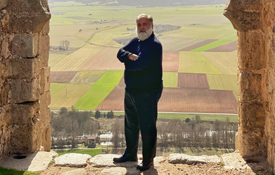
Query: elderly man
[143, 78]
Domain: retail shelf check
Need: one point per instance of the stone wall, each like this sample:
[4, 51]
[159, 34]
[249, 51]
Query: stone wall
[24, 76]
[254, 21]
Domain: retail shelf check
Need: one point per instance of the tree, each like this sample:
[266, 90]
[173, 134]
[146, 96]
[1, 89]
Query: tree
[97, 114]
[110, 114]
[64, 45]
[187, 120]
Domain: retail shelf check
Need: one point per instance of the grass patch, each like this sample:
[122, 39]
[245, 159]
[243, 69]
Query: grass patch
[195, 62]
[56, 87]
[170, 79]
[212, 45]
[99, 91]
[206, 117]
[92, 152]
[222, 82]
[4, 171]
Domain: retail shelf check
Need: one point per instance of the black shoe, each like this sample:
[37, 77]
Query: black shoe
[145, 166]
[125, 158]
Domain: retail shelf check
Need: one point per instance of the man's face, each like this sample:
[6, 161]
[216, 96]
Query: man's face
[143, 24]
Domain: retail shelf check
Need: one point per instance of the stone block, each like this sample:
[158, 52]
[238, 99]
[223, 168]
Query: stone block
[21, 139]
[24, 114]
[252, 116]
[106, 160]
[5, 116]
[20, 68]
[44, 58]
[45, 80]
[46, 138]
[25, 45]
[28, 16]
[234, 161]
[44, 44]
[250, 86]
[46, 28]
[186, 159]
[250, 144]
[244, 20]
[3, 4]
[244, 5]
[72, 160]
[5, 52]
[24, 91]
[4, 93]
[252, 50]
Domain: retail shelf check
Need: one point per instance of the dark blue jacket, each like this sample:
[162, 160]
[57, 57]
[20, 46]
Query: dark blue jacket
[145, 73]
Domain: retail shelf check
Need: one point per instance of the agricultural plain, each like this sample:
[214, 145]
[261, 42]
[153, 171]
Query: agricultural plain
[199, 57]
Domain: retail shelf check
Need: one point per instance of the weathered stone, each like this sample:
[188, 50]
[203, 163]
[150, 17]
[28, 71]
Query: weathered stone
[25, 45]
[21, 138]
[3, 4]
[27, 16]
[186, 159]
[72, 160]
[106, 160]
[234, 161]
[24, 91]
[158, 161]
[45, 80]
[33, 162]
[5, 91]
[46, 28]
[120, 171]
[24, 114]
[244, 5]
[253, 45]
[23, 68]
[5, 52]
[79, 171]
[44, 44]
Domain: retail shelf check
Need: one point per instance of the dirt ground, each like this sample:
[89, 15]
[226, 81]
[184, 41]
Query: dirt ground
[165, 168]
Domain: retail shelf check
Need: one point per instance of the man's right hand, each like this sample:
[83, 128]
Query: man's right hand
[133, 57]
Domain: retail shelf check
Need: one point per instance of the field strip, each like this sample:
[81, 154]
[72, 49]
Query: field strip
[197, 45]
[195, 62]
[176, 43]
[62, 77]
[230, 47]
[74, 60]
[56, 87]
[170, 61]
[222, 82]
[68, 95]
[99, 91]
[226, 62]
[54, 59]
[87, 77]
[190, 80]
[170, 79]
[212, 45]
[105, 59]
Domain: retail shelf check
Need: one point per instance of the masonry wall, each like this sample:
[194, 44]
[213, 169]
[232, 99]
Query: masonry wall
[24, 76]
[254, 22]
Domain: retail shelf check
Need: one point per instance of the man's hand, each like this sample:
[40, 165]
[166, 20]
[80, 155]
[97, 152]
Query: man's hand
[133, 57]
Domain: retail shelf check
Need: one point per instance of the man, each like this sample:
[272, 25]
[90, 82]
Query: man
[143, 78]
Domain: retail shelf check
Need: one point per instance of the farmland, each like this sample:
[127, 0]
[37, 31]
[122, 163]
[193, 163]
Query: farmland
[199, 57]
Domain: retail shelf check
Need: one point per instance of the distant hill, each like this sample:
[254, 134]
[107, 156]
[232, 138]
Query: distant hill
[153, 2]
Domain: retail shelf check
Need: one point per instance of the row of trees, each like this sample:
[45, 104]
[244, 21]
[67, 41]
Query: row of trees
[192, 133]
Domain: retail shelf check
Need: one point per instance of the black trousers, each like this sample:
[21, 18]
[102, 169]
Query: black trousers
[141, 111]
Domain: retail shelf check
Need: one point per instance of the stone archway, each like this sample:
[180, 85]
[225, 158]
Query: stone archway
[254, 22]
[24, 76]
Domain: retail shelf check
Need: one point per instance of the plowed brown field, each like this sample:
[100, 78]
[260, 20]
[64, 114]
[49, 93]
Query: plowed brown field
[114, 101]
[105, 59]
[170, 61]
[62, 77]
[230, 47]
[197, 45]
[197, 100]
[188, 80]
[180, 100]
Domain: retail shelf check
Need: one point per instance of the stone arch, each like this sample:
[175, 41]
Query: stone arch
[24, 76]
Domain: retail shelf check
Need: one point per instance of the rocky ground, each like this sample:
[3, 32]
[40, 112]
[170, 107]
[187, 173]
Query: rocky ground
[175, 164]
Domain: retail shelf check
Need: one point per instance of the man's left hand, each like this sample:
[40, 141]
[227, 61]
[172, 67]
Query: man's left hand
[133, 57]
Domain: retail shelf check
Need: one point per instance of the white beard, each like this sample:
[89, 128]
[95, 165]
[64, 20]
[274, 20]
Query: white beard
[144, 35]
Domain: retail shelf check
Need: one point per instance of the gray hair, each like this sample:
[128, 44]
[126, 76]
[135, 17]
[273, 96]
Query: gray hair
[150, 18]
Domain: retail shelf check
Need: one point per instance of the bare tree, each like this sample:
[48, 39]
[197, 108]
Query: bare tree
[64, 44]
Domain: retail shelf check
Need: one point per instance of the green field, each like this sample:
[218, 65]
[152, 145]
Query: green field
[195, 62]
[85, 77]
[56, 87]
[170, 79]
[212, 45]
[4, 171]
[99, 90]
